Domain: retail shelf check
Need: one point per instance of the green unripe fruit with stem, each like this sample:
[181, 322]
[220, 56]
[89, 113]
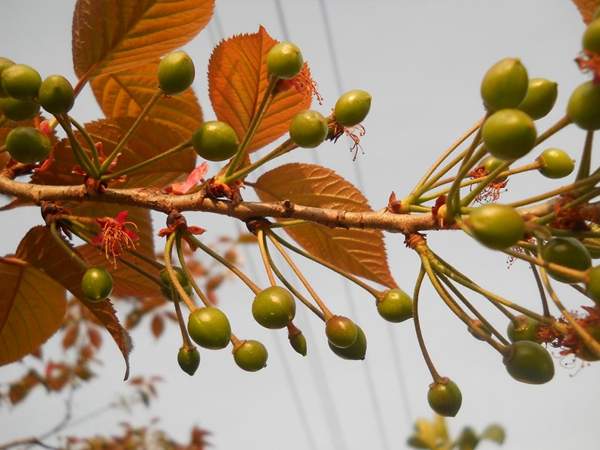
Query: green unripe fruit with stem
[509, 134]
[215, 141]
[298, 343]
[21, 81]
[496, 226]
[395, 306]
[209, 328]
[341, 331]
[491, 163]
[176, 73]
[188, 359]
[284, 60]
[568, 252]
[593, 284]
[308, 129]
[250, 355]
[555, 163]
[168, 289]
[529, 362]
[540, 99]
[591, 37]
[504, 85]
[352, 107]
[4, 63]
[96, 284]
[28, 145]
[356, 351]
[17, 110]
[444, 397]
[56, 95]
[523, 328]
[274, 307]
[584, 106]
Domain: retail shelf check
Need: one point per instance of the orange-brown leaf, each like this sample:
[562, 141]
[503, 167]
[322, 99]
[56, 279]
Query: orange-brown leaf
[32, 308]
[113, 35]
[40, 250]
[125, 93]
[587, 8]
[359, 251]
[157, 325]
[238, 80]
[150, 139]
[70, 336]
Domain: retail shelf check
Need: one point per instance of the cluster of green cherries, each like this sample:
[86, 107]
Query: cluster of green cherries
[513, 102]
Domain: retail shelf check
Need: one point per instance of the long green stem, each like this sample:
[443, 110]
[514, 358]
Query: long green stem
[586, 157]
[474, 157]
[88, 139]
[563, 270]
[232, 267]
[540, 286]
[262, 245]
[187, 342]
[173, 276]
[327, 264]
[131, 169]
[106, 164]
[66, 247]
[252, 127]
[80, 156]
[188, 273]
[559, 125]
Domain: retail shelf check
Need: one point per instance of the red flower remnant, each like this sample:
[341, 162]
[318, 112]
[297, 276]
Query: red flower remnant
[354, 133]
[568, 218]
[589, 62]
[303, 83]
[195, 177]
[116, 236]
[492, 191]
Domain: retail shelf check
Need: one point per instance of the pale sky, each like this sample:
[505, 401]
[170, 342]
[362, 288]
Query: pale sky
[422, 60]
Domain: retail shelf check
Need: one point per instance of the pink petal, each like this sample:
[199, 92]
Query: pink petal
[195, 177]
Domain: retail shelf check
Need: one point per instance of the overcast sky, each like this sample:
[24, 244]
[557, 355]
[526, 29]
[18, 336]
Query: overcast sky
[422, 60]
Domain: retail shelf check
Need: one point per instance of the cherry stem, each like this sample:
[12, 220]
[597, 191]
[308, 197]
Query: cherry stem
[252, 127]
[106, 164]
[282, 149]
[559, 125]
[262, 245]
[434, 373]
[187, 343]
[586, 157]
[187, 271]
[88, 139]
[471, 158]
[58, 238]
[232, 267]
[540, 287]
[80, 156]
[563, 270]
[327, 264]
[129, 170]
[326, 311]
[423, 184]
[173, 276]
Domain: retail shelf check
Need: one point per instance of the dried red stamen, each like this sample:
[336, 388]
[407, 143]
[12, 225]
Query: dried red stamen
[117, 235]
[303, 83]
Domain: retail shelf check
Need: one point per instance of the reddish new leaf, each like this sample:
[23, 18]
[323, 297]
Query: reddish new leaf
[587, 8]
[32, 308]
[237, 81]
[157, 325]
[125, 93]
[359, 251]
[112, 35]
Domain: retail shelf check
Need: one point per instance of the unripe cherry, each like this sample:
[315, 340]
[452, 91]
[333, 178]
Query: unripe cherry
[591, 37]
[209, 328]
[568, 252]
[21, 81]
[308, 129]
[509, 134]
[522, 328]
[341, 331]
[395, 305]
[188, 359]
[504, 85]
[540, 98]
[496, 226]
[96, 284]
[584, 106]
[555, 163]
[274, 307]
[444, 397]
[284, 60]
[529, 362]
[250, 356]
[352, 107]
[176, 72]
[356, 351]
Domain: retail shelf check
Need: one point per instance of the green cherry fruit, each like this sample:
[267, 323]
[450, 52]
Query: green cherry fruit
[209, 328]
[188, 359]
[28, 145]
[496, 226]
[555, 163]
[491, 163]
[215, 141]
[341, 331]
[352, 107]
[504, 85]
[591, 37]
[284, 60]
[356, 351]
[529, 362]
[96, 284]
[166, 283]
[585, 353]
[593, 283]
[540, 99]
[56, 94]
[21, 81]
[395, 305]
[584, 106]
[176, 72]
[444, 397]
[509, 134]
[523, 328]
[274, 307]
[250, 355]
[308, 129]
[568, 252]
[4, 63]
[298, 343]
[17, 110]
